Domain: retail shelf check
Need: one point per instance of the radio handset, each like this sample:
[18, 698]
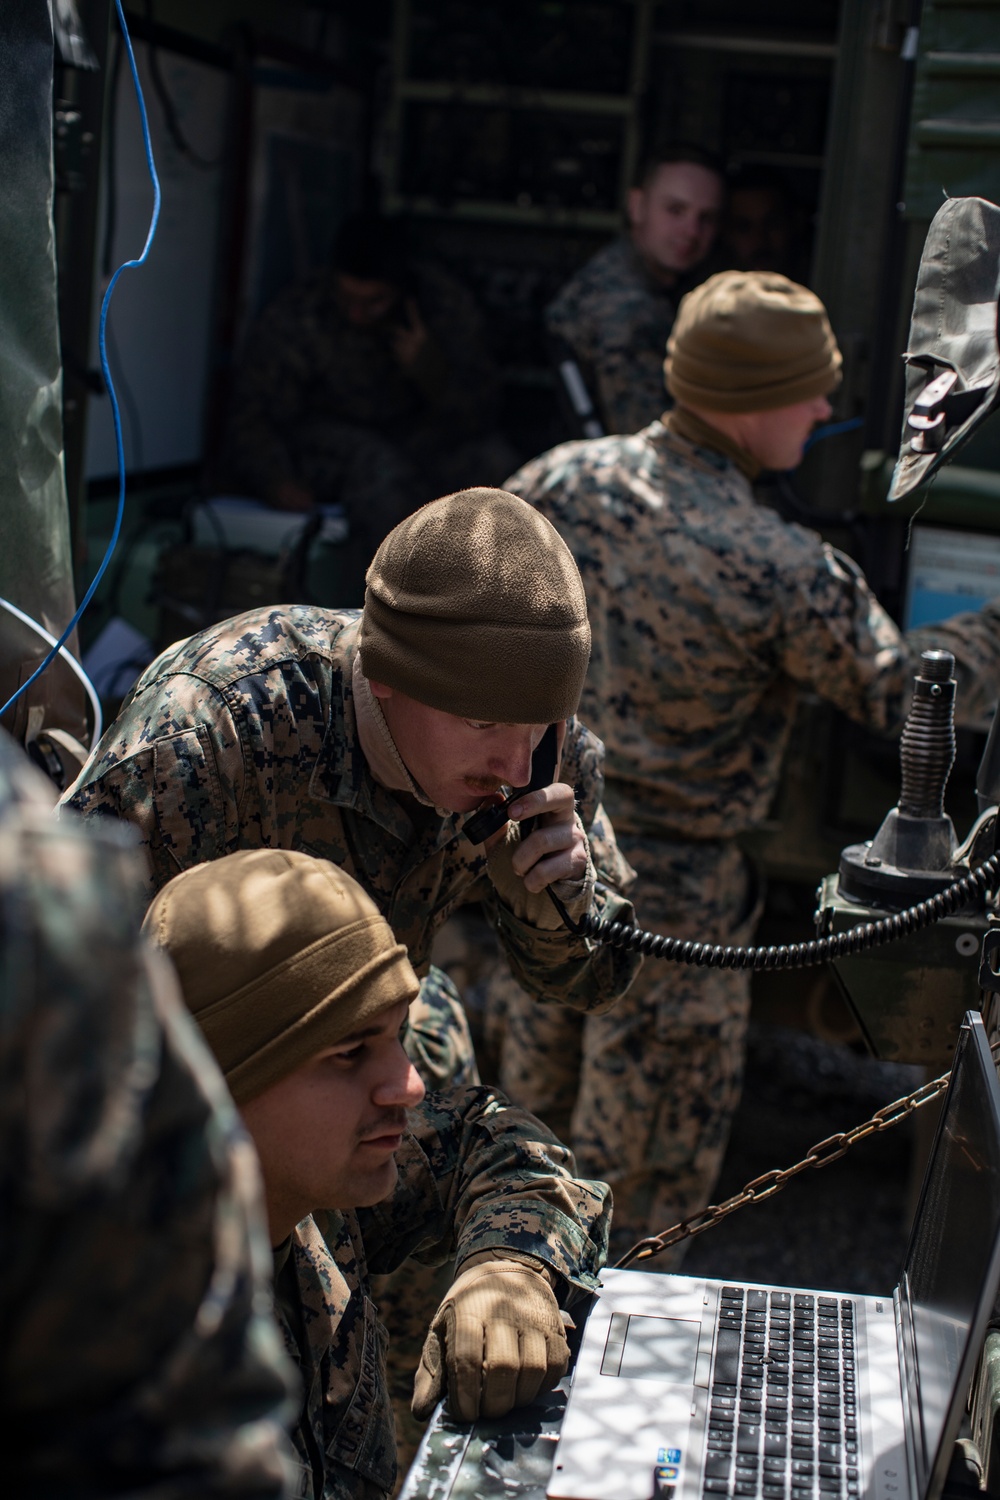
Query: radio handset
[489, 820]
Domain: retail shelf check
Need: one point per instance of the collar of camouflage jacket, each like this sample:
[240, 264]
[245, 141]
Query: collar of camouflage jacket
[384, 760]
[684, 424]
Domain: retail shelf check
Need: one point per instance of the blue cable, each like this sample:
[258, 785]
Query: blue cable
[832, 429]
[125, 266]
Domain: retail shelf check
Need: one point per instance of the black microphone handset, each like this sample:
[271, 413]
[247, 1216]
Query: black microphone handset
[489, 820]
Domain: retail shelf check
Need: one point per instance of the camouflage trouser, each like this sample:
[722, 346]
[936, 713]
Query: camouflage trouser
[440, 1047]
[645, 1093]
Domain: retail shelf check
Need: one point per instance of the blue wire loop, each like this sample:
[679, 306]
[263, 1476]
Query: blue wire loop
[831, 429]
[109, 383]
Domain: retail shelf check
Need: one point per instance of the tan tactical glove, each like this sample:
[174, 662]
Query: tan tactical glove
[535, 906]
[497, 1339]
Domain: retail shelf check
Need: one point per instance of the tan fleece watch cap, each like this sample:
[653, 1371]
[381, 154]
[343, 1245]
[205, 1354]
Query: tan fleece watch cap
[750, 341]
[474, 605]
[279, 955]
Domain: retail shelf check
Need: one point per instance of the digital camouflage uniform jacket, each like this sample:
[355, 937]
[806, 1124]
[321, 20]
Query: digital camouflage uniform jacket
[137, 1351]
[245, 737]
[617, 320]
[305, 365]
[475, 1173]
[708, 614]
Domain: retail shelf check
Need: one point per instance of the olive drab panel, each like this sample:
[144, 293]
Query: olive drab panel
[35, 567]
[955, 128]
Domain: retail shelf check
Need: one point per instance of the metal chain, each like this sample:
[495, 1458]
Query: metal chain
[769, 1183]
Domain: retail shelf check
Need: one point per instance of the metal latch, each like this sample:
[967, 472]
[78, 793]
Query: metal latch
[928, 415]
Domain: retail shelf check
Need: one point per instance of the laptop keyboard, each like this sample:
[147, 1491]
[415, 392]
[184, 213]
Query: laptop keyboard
[783, 1417]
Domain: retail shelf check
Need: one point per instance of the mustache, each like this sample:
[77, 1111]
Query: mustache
[393, 1122]
[484, 784]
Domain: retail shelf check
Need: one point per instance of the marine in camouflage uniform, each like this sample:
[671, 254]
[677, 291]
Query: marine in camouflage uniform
[245, 737]
[138, 1351]
[708, 615]
[616, 318]
[328, 405]
[475, 1174]
[302, 992]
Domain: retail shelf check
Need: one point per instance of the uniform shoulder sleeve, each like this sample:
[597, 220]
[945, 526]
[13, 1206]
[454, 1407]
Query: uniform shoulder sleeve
[172, 765]
[479, 1174]
[833, 634]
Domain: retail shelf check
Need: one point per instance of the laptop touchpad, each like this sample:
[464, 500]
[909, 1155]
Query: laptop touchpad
[644, 1348]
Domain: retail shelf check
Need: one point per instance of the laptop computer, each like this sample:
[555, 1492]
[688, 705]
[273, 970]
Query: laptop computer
[696, 1389]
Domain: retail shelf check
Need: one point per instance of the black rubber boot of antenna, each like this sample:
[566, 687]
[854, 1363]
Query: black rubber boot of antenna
[927, 747]
[909, 858]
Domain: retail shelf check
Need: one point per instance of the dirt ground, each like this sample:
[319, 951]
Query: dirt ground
[843, 1227]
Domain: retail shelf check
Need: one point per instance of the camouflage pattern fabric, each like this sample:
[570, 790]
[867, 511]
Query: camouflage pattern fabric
[244, 737]
[474, 1174]
[138, 1350]
[325, 403]
[438, 1040]
[616, 318]
[646, 1092]
[439, 1044]
[708, 614]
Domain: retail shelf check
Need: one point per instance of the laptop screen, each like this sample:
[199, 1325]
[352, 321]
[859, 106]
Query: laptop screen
[950, 1273]
[948, 572]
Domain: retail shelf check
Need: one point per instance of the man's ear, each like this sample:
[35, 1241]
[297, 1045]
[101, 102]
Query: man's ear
[379, 689]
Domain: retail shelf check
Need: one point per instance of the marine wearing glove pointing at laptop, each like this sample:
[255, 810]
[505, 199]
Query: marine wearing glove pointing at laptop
[302, 993]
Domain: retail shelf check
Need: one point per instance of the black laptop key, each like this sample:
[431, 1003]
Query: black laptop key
[775, 1443]
[772, 1491]
[829, 1486]
[757, 1300]
[717, 1466]
[745, 1487]
[716, 1486]
[748, 1437]
[828, 1453]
